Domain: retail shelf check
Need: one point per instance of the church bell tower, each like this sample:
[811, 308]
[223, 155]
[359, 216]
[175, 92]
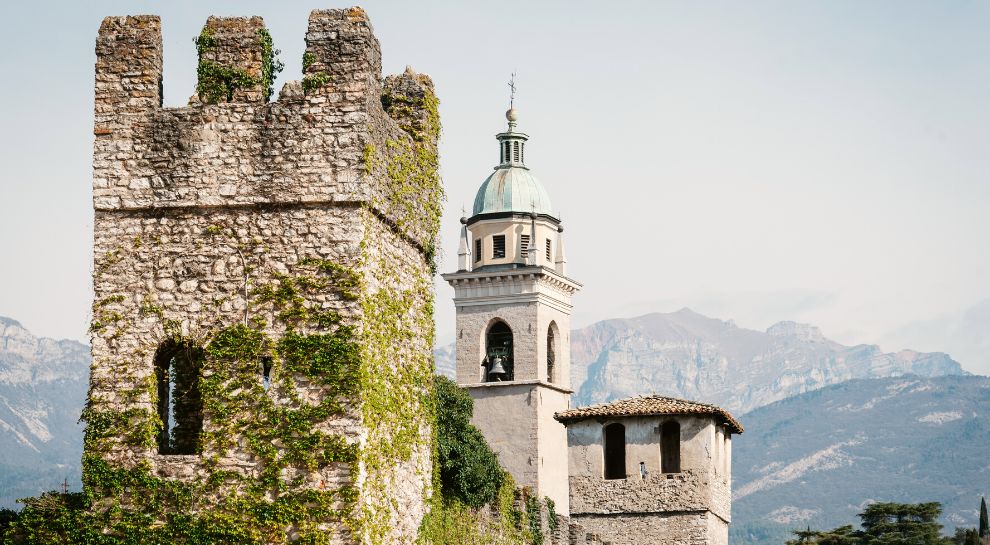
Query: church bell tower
[513, 300]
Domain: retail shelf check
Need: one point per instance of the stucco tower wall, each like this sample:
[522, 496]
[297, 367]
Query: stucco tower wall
[693, 503]
[530, 319]
[199, 209]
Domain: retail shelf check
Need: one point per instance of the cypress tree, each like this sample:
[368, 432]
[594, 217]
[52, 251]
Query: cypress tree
[984, 523]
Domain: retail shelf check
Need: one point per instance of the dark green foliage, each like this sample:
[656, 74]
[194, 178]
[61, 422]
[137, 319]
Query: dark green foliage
[966, 536]
[984, 522]
[884, 524]
[52, 517]
[907, 523]
[7, 517]
[469, 470]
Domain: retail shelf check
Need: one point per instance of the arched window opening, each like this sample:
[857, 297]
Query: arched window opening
[551, 355]
[498, 353]
[266, 372]
[615, 451]
[180, 404]
[670, 447]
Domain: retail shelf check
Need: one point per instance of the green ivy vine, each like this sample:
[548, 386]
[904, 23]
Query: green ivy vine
[218, 83]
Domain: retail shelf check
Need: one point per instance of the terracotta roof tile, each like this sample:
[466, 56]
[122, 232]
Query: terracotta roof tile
[648, 406]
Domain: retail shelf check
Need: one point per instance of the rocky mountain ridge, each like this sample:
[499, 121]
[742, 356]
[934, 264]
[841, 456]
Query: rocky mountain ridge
[688, 355]
[42, 391]
[817, 458]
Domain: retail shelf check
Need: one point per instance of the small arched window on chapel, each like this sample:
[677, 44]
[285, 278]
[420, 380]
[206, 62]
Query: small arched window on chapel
[670, 447]
[180, 404]
[615, 451]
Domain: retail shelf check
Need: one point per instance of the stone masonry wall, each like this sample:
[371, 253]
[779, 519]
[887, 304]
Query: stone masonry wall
[652, 529]
[297, 234]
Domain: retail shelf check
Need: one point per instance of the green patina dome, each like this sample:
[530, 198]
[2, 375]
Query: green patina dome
[512, 189]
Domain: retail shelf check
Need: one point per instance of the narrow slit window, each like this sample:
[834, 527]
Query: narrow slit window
[549, 253]
[522, 152]
[670, 447]
[498, 246]
[523, 245]
[477, 250]
[551, 357]
[266, 372]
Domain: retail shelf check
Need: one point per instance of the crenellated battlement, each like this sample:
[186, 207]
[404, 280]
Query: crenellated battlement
[262, 320]
[333, 137]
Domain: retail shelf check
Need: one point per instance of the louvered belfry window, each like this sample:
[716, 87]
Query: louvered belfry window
[549, 253]
[515, 151]
[523, 244]
[498, 246]
[477, 250]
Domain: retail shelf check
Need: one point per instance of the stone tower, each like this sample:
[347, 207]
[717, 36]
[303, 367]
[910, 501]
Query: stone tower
[513, 300]
[262, 323]
[651, 470]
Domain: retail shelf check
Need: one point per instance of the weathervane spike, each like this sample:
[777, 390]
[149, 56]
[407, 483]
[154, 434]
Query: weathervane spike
[512, 90]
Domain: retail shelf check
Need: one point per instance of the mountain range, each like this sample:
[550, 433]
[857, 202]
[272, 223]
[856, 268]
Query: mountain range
[688, 355]
[42, 391]
[828, 426]
[818, 458]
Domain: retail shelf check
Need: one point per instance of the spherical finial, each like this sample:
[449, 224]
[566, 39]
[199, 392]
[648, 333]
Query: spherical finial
[463, 220]
[512, 115]
[560, 228]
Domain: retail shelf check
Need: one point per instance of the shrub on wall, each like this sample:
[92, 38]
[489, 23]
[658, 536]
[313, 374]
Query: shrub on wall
[469, 470]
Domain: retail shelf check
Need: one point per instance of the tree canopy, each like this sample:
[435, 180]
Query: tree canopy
[884, 524]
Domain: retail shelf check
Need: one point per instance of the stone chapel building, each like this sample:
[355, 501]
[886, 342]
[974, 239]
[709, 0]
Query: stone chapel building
[645, 470]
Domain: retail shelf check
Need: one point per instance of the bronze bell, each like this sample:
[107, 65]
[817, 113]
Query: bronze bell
[497, 370]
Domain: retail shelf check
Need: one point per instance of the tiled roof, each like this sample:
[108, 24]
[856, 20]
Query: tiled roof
[649, 406]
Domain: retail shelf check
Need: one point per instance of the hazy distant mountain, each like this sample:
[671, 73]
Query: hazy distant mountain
[42, 391]
[817, 458]
[689, 355]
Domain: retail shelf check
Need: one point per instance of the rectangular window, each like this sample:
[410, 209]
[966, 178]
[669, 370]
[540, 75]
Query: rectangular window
[477, 250]
[498, 246]
[549, 253]
[515, 151]
[523, 244]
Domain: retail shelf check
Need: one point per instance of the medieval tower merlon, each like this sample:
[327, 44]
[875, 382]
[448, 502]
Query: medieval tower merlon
[262, 324]
[513, 304]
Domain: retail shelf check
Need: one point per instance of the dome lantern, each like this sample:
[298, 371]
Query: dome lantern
[512, 187]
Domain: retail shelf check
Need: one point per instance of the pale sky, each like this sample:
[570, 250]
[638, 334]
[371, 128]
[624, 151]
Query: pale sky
[825, 162]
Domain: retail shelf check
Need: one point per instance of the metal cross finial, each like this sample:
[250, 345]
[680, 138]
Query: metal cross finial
[512, 92]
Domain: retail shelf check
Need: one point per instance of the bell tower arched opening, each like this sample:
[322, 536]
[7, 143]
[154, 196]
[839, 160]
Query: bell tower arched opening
[498, 363]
